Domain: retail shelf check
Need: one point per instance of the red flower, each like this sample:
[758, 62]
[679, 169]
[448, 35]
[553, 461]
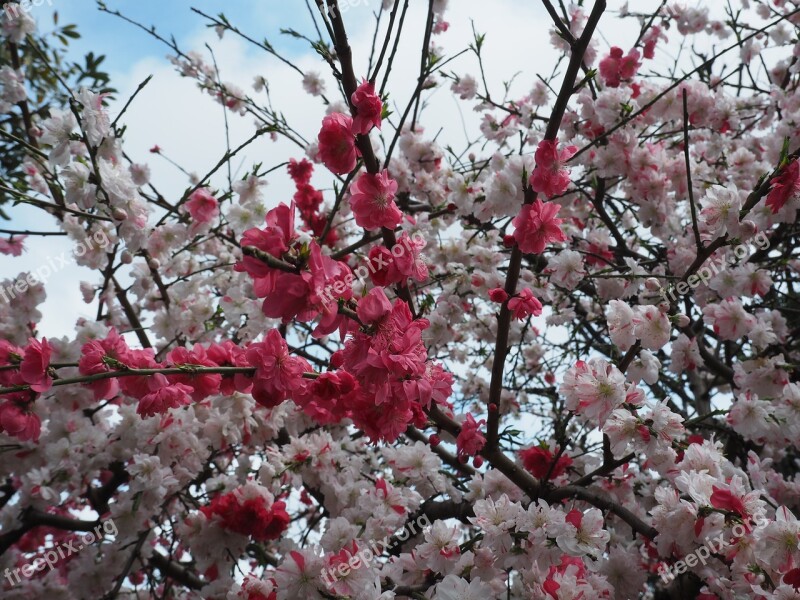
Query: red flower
[372, 201]
[274, 240]
[498, 295]
[369, 109]
[34, 365]
[300, 171]
[277, 373]
[140, 385]
[470, 440]
[784, 186]
[327, 398]
[19, 422]
[536, 226]
[228, 354]
[337, 146]
[251, 516]
[374, 306]
[404, 260]
[93, 361]
[525, 304]
[163, 397]
[792, 578]
[308, 200]
[549, 176]
[726, 500]
[201, 385]
[539, 461]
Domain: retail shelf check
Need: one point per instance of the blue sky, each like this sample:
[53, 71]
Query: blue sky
[122, 43]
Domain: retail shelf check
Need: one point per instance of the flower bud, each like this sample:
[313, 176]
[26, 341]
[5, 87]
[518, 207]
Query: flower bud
[153, 263]
[682, 320]
[435, 440]
[477, 462]
[126, 257]
[652, 284]
[118, 214]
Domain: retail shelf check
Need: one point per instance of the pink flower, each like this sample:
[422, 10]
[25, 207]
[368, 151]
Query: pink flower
[201, 385]
[785, 186]
[616, 68]
[372, 201]
[19, 422]
[94, 357]
[327, 398]
[536, 226]
[407, 257]
[277, 373]
[163, 397]
[651, 39]
[337, 146]
[374, 306]
[228, 354]
[404, 260]
[34, 365]
[385, 421]
[138, 386]
[202, 206]
[549, 176]
[274, 240]
[525, 304]
[470, 440]
[13, 245]
[369, 109]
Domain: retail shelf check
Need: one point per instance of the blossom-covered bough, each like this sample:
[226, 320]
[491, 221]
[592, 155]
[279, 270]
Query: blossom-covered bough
[560, 363]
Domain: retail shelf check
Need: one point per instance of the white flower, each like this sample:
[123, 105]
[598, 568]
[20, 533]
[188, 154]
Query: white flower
[619, 317]
[455, 588]
[313, 83]
[567, 269]
[94, 117]
[651, 327]
[12, 88]
[645, 367]
[466, 87]
[720, 213]
[582, 533]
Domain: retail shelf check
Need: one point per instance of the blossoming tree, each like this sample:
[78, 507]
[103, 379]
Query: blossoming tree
[567, 353]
